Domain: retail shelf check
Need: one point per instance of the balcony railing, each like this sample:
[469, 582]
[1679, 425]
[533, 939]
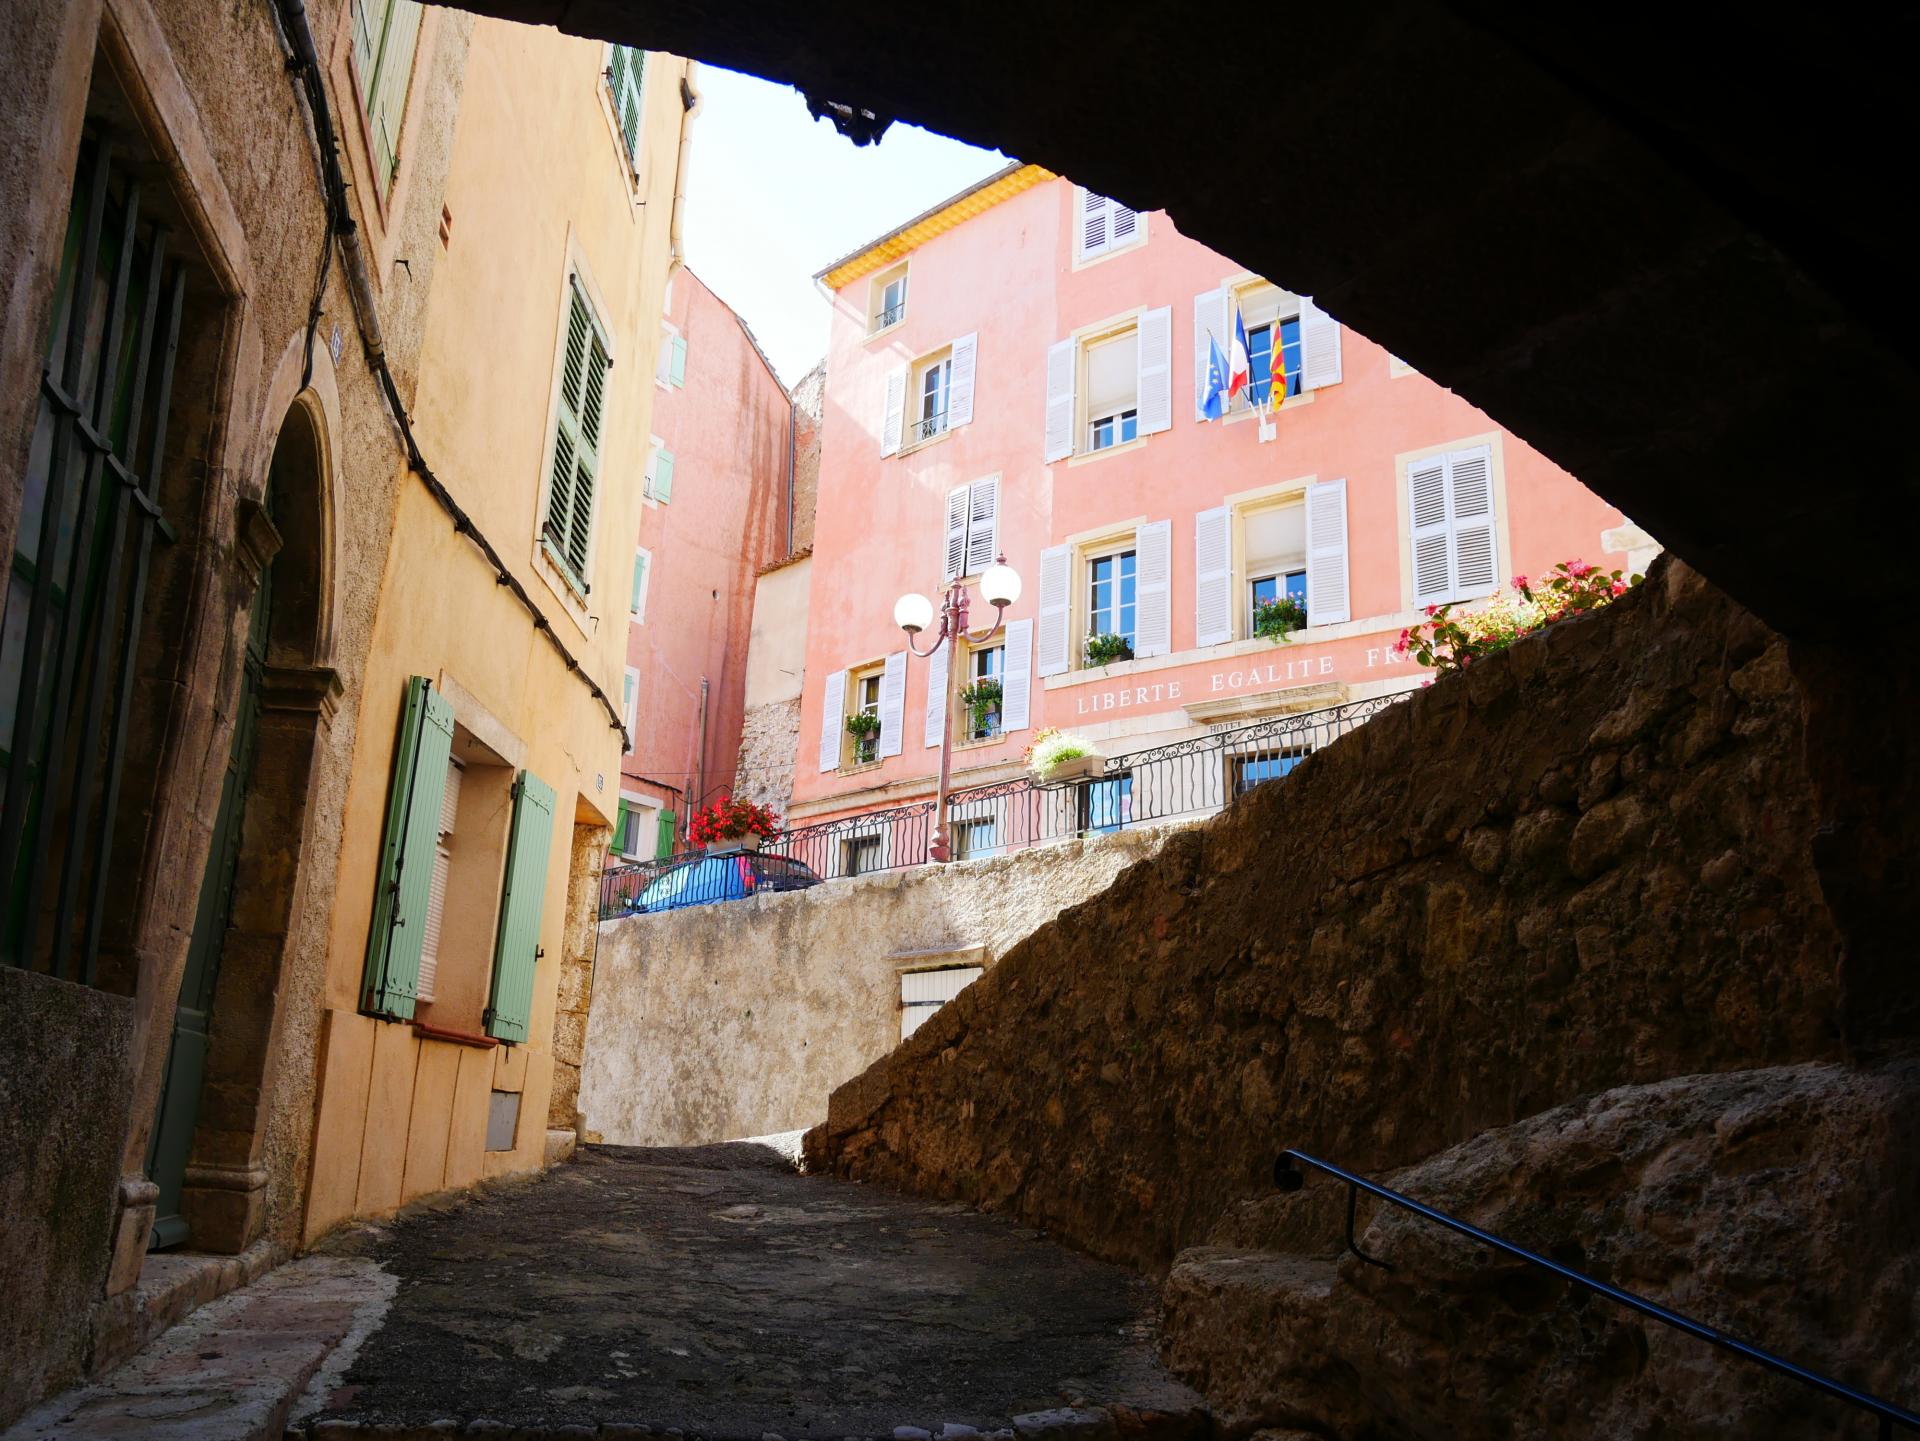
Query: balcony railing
[1185, 780]
[892, 315]
[927, 428]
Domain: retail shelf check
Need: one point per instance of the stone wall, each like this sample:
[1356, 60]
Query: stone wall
[809, 402]
[769, 741]
[738, 1019]
[1582, 864]
[575, 993]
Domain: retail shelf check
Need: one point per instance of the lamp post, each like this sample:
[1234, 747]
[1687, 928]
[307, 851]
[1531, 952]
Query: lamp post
[913, 613]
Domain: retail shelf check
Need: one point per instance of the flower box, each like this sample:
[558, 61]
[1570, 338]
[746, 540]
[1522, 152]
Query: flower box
[1078, 768]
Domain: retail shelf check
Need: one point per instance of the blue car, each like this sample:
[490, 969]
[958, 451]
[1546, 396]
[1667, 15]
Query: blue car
[702, 880]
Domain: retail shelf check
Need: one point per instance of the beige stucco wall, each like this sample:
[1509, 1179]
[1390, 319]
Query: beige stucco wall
[777, 652]
[739, 1019]
[535, 192]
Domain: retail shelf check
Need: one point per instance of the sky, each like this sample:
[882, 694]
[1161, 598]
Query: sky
[774, 195]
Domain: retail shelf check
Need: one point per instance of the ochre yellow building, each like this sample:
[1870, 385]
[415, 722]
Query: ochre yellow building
[486, 771]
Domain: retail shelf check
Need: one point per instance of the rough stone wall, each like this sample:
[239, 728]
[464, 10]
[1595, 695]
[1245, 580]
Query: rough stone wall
[576, 976]
[1779, 1204]
[77, 1043]
[1581, 864]
[769, 741]
[738, 1019]
[809, 401]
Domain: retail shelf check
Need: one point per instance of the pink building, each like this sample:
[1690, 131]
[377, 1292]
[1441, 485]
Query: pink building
[1023, 370]
[718, 507]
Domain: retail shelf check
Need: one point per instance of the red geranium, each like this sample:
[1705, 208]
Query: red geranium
[730, 820]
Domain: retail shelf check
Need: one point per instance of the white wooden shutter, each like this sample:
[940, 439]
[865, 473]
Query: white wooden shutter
[1124, 225]
[955, 563]
[1153, 616]
[960, 380]
[1091, 210]
[436, 916]
[1209, 326]
[1470, 496]
[895, 415]
[1016, 676]
[1056, 606]
[1327, 598]
[1213, 576]
[1060, 367]
[937, 692]
[1319, 346]
[893, 702]
[983, 524]
[1431, 535]
[833, 705]
[1155, 352]
[450, 797]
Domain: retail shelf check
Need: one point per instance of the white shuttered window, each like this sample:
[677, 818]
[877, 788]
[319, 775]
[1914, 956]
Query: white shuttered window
[894, 414]
[1328, 601]
[1319, 347]
[1153, 622]
[966, 354]
[1450, 507]
[1102, 225]
[1156, 370]
[1056, 606]
[833, 705]
[893, 702]
[1213, 576]
[1062, 359]
[1016, 676]
[936, 692]
[972, 538]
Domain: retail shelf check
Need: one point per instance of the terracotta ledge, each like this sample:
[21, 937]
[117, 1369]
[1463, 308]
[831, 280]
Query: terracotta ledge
[459, 1038]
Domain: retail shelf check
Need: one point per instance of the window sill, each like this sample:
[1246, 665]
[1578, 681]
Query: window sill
[561, 584]
[458, 1038]
[854, 768]
[923, 444]
[1384, 625]
[885, 330]
[979, 744]
[1081, 262]
[1088, 457]
[1294, 402]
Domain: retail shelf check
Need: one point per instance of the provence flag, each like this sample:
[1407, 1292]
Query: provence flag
[1216, 382]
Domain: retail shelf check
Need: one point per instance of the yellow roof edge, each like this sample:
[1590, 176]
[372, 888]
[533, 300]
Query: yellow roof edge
[877, 254]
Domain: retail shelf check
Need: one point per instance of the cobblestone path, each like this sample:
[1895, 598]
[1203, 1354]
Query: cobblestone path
[714, 1293]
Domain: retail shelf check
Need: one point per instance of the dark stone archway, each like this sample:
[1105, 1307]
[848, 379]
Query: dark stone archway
[227, 1177]
[1663, 248]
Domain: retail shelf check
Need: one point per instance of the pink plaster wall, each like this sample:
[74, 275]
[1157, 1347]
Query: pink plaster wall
[728, 431]
[1008, 274]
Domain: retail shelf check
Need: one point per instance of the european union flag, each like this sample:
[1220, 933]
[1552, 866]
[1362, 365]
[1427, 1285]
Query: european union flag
[1216, 405]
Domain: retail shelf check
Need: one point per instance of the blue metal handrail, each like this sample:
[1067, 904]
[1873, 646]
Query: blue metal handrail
[1288, 1178]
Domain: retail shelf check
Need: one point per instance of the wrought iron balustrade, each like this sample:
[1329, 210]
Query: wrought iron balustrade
[926, 428]
[892, 315]
[1184, 780]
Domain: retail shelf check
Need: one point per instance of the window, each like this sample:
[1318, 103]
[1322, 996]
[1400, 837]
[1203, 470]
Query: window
[1451, 509]
[642, 568]
[1102, 226]
[931, 378]
[973, 527]
[631, 707]
[626, 73]
[1105, 805]
[385, 35]
[579, 417]
[1250, 770]
[670, 368]
[924, 992]
[859, 855]
[1112, 582]
[636, 828]
[887, 299]
[658, 484]
[975, 839]
[1265, 589]
[1260, 358]
[863, 699]
[986, 666]
[1110, 386]
[1113, 391]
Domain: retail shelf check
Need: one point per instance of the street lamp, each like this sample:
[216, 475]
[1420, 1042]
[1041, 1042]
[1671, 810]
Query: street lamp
[913, 613]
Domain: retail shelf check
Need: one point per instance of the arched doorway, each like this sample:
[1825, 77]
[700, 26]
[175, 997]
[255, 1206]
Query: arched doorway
[211, 1118]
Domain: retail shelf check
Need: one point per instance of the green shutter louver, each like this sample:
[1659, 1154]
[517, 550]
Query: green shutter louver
[677, 366]
[623, 830]
[663, 476]
[663, 843]
[626, 72]
[389, 40]
[578, 421]
[516, 943]
[392, 978]
[639, 581]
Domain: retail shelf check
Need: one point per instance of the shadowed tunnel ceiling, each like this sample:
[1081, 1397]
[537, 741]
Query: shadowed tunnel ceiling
[1669, 252]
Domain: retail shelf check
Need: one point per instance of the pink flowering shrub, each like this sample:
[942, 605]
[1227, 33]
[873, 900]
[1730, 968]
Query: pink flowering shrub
[1573, 587]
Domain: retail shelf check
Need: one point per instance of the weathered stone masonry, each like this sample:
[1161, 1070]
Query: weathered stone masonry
[1584, 863]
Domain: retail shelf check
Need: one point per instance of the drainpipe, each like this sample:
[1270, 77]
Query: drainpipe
[689, 107]
[702, 791]
[791, 427]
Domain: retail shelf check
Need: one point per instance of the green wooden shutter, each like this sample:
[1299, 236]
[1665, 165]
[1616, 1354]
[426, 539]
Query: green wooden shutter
[516, 943]
[622, 830]
[369, 24]
[663, 476]
[663, 841]
[578, 420]
[387, 90]
[677, 367]
[392, 979]
[639, 580]
[630, 72]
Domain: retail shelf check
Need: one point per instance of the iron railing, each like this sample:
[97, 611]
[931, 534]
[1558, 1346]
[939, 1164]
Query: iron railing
[1287, 1176]
[927, 428]
[891, 315]
[1185, 780]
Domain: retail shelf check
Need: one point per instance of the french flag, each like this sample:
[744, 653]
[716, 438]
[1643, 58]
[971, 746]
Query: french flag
[1239, 368]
